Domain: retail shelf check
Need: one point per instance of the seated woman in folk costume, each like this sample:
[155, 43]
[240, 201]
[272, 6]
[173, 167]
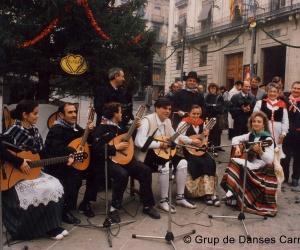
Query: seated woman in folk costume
[261, 181]
[32, 207]
[202, 179]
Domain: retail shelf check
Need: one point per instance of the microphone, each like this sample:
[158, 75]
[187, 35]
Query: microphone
[148, 142]
[99, 138]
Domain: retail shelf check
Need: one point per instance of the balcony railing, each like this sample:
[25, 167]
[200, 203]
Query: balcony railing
[264, 14]
[181, 3]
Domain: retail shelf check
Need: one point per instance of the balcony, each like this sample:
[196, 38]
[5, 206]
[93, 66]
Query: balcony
[181, 3]
[266, 15]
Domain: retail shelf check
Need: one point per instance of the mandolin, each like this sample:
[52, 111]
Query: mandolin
[165, 153]
[211, 123]
[14, 175]
[81, 145]
[125, 156]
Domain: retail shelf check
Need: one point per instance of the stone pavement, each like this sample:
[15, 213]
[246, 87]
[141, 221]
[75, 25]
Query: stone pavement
[274, 233]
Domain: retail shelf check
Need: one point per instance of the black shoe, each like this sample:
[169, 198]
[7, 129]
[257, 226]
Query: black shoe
[221, 149]
[295, 183]
[85, 208]
[69, 218]
[151, 211]
[114, 216]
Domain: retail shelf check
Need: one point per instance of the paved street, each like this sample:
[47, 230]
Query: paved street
[274, 233]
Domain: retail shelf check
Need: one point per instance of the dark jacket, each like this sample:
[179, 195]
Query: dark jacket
[235, 108]
[104, 134]
[210, 110]
[58, 139]
[183, 100]
[106, 94]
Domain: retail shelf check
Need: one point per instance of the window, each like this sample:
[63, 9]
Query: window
[178, 63]
[203, 56]
[277, 4]
[237, 13]
[205, 17]
[156, 74]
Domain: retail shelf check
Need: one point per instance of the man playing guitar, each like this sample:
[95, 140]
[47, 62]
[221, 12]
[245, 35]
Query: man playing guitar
[64, 131]
[106, 132]
[160, 122]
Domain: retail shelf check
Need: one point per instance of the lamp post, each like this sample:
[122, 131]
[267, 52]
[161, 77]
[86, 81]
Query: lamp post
[182, 40]
[253, 39]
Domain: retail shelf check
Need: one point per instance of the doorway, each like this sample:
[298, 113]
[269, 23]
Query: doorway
[234, 70]
[274, 63]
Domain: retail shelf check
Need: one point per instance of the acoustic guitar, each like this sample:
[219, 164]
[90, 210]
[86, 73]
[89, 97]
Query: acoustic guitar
[14, 175]
[165, 153]
[125, 156]
[211, 123]
[81, 145]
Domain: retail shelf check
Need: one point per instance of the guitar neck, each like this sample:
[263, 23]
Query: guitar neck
[131, 130]
[85, 135]
[45, 162]
[173, 138]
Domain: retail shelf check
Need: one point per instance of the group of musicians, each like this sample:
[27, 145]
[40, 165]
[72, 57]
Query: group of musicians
[34, 207]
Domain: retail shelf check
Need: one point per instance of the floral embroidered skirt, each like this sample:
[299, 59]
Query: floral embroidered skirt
[203, 185]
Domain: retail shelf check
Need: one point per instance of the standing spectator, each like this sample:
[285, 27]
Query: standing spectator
[277, 114]
[291, 141]
[180, 85]
[174, 89]
[236, 89]
[112, 91]
[185, 98]
[278, 80]
[255, 90]
[148, 96]
[224, 116]
[213, 107]
[241, 107]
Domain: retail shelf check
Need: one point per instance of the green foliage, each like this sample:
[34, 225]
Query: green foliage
[21, 21]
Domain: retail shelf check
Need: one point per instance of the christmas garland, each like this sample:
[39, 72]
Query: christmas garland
[46, 31]
[90, 16]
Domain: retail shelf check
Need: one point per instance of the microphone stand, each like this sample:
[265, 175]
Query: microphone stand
[107, 223]
[169, 237]
[241, 215]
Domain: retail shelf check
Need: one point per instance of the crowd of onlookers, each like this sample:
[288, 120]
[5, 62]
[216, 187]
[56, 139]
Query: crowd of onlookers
[232, 109]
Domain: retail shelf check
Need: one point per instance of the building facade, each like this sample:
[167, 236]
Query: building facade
[156, 15]
[215, 39]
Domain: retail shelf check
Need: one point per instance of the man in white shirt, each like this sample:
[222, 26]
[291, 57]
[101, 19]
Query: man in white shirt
[159, 124]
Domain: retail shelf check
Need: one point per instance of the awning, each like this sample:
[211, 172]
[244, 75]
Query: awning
[204, 12]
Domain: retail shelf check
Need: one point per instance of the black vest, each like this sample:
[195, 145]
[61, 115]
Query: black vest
[278, 114]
